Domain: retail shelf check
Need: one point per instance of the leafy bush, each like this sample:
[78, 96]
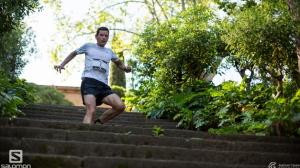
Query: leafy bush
[13, 93]
[227, 108]
[49, 95]
[257, 112]
[119, 90]
[166, 72]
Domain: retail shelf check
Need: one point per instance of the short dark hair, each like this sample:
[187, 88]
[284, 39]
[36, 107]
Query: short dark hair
[102, 28]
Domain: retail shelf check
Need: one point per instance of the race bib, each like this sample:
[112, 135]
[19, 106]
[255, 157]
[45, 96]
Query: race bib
[100, 65]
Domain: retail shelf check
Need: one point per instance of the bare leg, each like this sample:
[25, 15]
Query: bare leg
[117, 104]
[90, 105]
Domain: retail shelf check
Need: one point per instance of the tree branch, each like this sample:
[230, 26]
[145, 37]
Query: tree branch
[149, 8]
[164, 12]
[124, 30]
[127, 31]
[154, 11]
[119, 4]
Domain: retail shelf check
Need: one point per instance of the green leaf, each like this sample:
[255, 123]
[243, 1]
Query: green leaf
[127, 133]
[194, 138]
[296, 118]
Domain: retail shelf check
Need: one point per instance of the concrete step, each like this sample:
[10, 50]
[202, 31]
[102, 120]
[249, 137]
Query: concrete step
[22, 122]
[75, 111]
[55, 133]
[71, 109]
[117, 119]
[121, 116]
[56, 161]
[81, 149]
[149, 140]
[71, 114]
[55, 106]
[109, 123]
[119, 162]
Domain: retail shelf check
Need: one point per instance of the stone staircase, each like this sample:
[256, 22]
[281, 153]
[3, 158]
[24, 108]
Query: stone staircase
[53, 136]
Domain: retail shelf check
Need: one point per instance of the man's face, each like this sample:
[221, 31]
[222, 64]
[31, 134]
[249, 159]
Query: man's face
[102, 38]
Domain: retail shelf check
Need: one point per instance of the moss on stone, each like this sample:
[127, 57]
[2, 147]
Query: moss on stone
[43, 148]
[123, 153]
[122, 165]
[49, 135]
[80, 127]
[149, 154]
[49, 162]
[66, 150]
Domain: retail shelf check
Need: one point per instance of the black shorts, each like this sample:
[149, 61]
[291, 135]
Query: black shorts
[94, 87]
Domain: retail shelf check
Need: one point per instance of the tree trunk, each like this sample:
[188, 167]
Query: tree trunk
[116, 75]
[195, 2]
[279, 87]
[12, 63]
[154, 11]
[294, 6]
[183, 4]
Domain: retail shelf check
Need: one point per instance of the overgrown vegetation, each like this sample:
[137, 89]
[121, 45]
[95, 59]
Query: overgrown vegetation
[49, 95]
[178, 48]
[13, 93]
[13, 13]
[16, 40]
[260, 44]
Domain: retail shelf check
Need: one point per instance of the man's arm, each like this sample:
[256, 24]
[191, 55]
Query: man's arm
[68, 59]
[121, 65]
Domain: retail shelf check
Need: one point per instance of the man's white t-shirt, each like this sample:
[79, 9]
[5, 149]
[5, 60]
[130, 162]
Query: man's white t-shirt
[97, 61]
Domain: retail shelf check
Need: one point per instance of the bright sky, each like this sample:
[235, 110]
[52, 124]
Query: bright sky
[41, 71]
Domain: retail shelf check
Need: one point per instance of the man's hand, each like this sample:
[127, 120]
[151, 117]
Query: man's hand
[121, 65]
[58, 68]
[127, 69]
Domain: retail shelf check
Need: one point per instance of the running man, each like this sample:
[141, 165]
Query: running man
[94, 85]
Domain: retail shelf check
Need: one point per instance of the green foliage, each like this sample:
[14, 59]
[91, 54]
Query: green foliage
[128, 133]
[227, 108]
[13, 94]
[16, 40]
[175, 50]
[263, 113]
[231, 7]
[49, 95]
[118, 16]
[14, 11]
[120, 91]
[157, 131]
[262, 37]
[116, 75]
[13, 46]
[185, 48]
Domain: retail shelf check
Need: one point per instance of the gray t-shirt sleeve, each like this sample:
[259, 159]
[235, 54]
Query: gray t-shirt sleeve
[82, 49]
[114, 57]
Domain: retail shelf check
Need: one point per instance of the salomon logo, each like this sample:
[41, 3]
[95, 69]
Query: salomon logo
[15, 156]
